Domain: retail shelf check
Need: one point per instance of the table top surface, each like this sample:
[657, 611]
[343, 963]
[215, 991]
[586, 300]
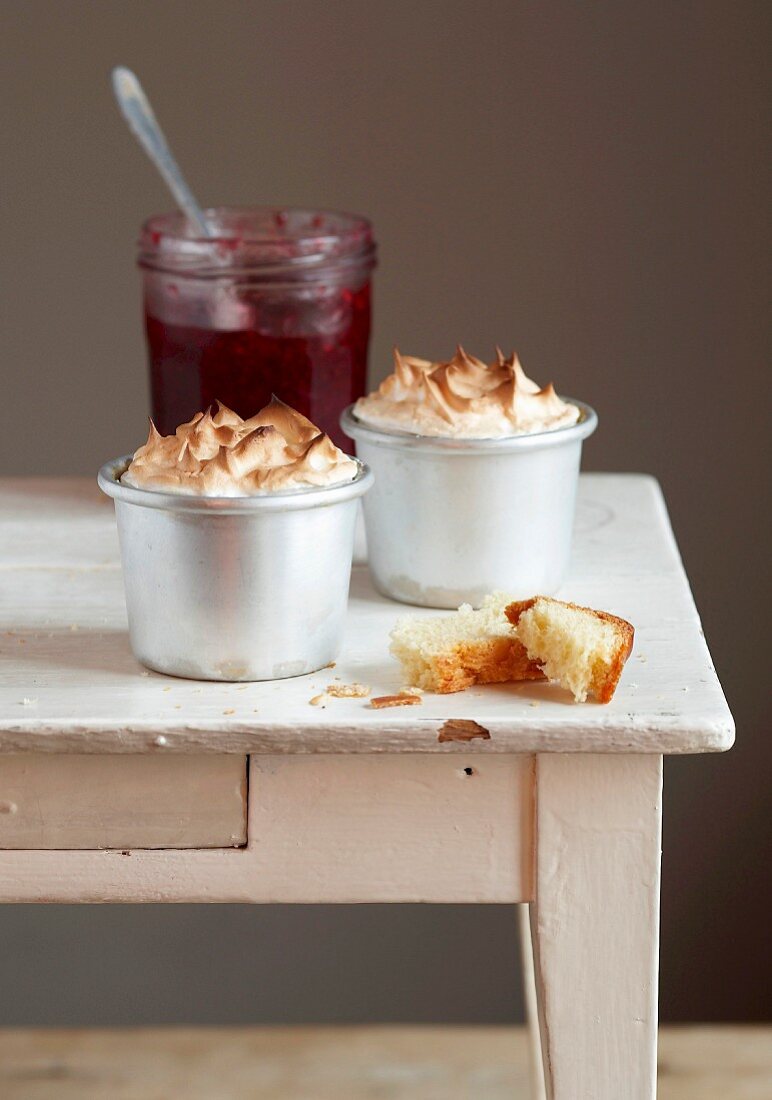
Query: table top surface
[69, 682]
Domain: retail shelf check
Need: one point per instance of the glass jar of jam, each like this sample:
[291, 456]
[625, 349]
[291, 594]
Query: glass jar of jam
[277, 301]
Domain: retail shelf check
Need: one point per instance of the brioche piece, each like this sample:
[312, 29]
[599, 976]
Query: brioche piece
[468, 647]
[584, 650]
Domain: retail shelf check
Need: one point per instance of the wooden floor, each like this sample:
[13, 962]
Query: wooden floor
[348, 1063]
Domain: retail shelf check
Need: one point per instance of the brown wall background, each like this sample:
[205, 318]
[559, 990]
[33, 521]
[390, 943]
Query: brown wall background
[585, 182]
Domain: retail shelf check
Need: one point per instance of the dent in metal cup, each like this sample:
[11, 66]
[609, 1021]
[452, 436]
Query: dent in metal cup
[450, 520]
[235, 588]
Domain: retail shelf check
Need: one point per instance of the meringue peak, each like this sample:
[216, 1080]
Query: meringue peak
[217, 453]
[464, 397]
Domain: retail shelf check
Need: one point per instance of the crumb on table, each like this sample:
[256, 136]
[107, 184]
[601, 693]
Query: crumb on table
[403, 699]
[348, 691]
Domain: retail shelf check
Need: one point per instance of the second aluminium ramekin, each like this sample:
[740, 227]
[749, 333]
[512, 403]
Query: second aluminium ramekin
[450, 520]
[235, 588]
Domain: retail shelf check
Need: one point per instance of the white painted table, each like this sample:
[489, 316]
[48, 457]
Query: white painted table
[122, 785]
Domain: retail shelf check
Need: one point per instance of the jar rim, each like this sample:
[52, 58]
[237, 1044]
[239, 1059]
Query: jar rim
[256, 238]
[270, 223]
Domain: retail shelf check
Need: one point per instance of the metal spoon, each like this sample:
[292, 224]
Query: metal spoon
[143, 124]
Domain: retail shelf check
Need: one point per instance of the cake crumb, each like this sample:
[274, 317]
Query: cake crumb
[534, 704]
[166, 689]
[348, 691]
[230, 710]
[319, 700]
[462, 729]
[332, 664]
[403, 699]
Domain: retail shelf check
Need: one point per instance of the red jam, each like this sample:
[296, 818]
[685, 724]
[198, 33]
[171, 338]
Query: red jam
[275, 301]
[190, 368]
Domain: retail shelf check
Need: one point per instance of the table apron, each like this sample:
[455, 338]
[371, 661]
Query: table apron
[456, 827]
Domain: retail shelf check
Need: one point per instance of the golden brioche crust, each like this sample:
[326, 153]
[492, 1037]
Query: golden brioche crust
[490, 661]
[604, 685]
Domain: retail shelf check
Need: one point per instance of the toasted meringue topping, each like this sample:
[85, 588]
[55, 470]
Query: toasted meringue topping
[464, 397]
[219, 454]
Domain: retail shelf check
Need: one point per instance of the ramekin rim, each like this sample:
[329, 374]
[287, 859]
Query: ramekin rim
[288, 500]
[581, 429]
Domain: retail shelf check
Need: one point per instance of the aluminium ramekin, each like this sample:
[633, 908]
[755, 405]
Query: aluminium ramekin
[235, 588]
[450, 520]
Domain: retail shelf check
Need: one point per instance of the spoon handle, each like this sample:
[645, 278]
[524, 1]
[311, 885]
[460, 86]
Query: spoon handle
[143, 124]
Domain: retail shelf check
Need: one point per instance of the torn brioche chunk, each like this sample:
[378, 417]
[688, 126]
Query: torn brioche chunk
[583, 650]
[467, 647]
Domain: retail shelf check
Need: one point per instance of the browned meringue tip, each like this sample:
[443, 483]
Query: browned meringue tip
[465, 397]
[221, 454]
[153, 432]
[465, 359]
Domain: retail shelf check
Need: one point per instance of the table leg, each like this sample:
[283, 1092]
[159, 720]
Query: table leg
[595, 923]
[536, 1068]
